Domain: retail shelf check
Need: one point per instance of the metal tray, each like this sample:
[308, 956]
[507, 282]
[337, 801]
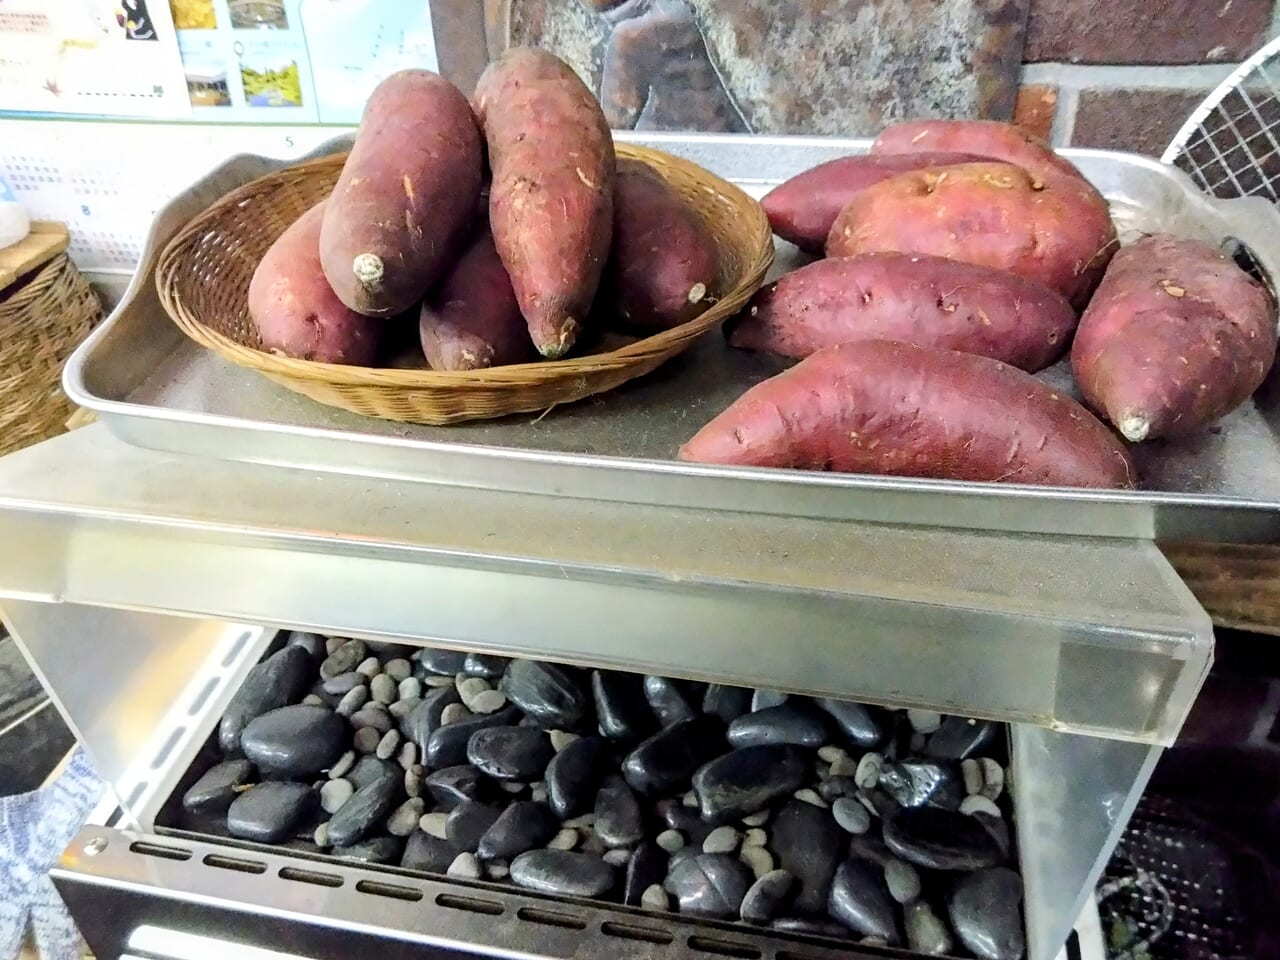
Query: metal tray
[156, 389]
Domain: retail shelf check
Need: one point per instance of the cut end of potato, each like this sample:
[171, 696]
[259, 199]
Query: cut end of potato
[368, 269]
[1134, 427]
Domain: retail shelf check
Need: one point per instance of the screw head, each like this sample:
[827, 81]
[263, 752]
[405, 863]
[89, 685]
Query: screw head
[95, 846]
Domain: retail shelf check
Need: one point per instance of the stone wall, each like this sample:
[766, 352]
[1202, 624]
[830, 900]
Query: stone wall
[1126, 74]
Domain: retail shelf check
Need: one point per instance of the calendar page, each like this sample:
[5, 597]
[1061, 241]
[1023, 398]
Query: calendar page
[102, 57]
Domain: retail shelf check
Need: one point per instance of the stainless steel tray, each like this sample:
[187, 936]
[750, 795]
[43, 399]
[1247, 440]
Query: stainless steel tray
[156, 389]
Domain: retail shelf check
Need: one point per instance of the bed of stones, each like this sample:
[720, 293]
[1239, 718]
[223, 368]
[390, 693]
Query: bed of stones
[806, 815]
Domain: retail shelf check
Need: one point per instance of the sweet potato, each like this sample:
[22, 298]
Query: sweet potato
[1054, 229]
[406, 197]
[471, 320]
[986, 138]
[878, 406]
[295, 310]
[1175, 337]
[802, 209]
[928, 301]
[663, 261]
[551, 201]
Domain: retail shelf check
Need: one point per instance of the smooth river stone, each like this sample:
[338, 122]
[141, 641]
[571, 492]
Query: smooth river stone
[468, 822]
[763, 698]
[573, 776]
[269, 812]
[343, 660]
[667, 701]
[860, 900]
[748, 779]
[548, 694]
[296, 741]
[940, 839]
[766, 896]
[860, 724]
[218, 787]
[562, 872]
[372, 850]
[447, 745]
[726, 702]
[424, 719]
[312, 643]
[960, 738]
[428, 853]
[524, 825]
[794, 722]
[621, 709]
[685, 820]
[710, 885]
[666, 761]
[926, 933]
[450, 786]
[485, 665]
[646, 867]
[279, 680]
[986, 915]
[366, 809]
[510, 753]
[619, 822]
[916, 783]
[440, 662]
[809, 925]
[809, 844]
[369, 769]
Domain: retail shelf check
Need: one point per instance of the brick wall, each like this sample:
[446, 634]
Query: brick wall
[1126, 74]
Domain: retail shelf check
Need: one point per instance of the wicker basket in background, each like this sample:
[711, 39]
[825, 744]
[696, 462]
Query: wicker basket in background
[203, 280]
[43, 318]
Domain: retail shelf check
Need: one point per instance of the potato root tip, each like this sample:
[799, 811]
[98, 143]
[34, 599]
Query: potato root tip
[1134, 427]
[368, 269]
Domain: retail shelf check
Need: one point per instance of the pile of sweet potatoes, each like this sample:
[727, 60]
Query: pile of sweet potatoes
[504, 228]
[958, 256]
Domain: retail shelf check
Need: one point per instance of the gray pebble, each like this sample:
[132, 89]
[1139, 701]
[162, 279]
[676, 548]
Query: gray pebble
[404, 819]
[383, 688]
[755, 837]
[471, 687]
[388, 745]
[852, 816]
[511, 786]
[312, 700]
[398, 669]
[868, 804]
[488, 701]
[867, 773]
[971, 773]
[924, 721]
[654, 898]
[670, 840]
[917, 742]
[980, 804]
[332, 644]
[844, 766]
[810, 797]
[370, 667]
[766, 896]
[321, 836]
[334, 794]
[758, 859]
[762, 699]
[497, 869]
[566, 839]
[690, 799]
[410, 688]
[926, 933]
[594, 845]
[344, 764]
[453, 713]
[902, 880]
[538, 794]
[369, 717]
[437, 681]
[352, 700]
[374, 706]
[581, 822]
[412, 783]
[367, 740]
[434, 824]
[831, 753]
[465, 866]
[721, 840]
[992, 778]
[561, 739]
[616, 857]
[408, 754]
[402, 708]
[758, 819]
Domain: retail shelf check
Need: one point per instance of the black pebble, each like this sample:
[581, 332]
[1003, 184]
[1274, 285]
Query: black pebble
[809, 844]
[940, 839]
[447, 745]
[451, 786]
[424, 719]
[484, 665]
[647, 866]
[676, 816]
[296, 741]
[382, 849]
[860, 900]
[621, 708]
[510, 753]
[442, 663]
[810, 926]
[343, 684]
[369, 769]
[427, 853]
[710, 885]
[469, 822]
[548, 694]
[343, 660]
[915, 783]
[833, 788]
[985, 911]
[279, 680]
[313, 643]
[747, 780]
[217, 787]
[619, 822]
[766, 896]
[726, 702]
[960, 738]
[364, 811]
[860, 724]
[666, 761]
[667, 701]
[795, 722]
[524, 825]
[574, 774]
[564, 872]
[268, 812]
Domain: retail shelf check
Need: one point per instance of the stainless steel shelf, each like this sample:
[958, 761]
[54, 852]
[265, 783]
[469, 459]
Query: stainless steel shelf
[1083, 635]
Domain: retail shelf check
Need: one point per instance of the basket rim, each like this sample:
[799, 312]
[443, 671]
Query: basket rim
[751, 222]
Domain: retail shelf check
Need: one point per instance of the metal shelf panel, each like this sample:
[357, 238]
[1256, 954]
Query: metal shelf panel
[1087, 635]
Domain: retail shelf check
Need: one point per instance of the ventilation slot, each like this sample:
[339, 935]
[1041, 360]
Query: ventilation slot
[135, 794]
[391, 890]
[157, 850]
[236, 647]
[724, 948]
[310, 876]
[198, 703]
[489, 908]
[630, 931]
[234, 863]
[549, 918]
[167, 749]
[796, 955]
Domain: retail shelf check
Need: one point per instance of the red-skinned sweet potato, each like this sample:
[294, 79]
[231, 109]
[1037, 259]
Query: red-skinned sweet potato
[663, 261]
[406, 197]
[878, 406]
[551, 200]
[295, 310]
[471, 320]
[802, 209]
[987, 138]
[1054, 229]
[1176, 336]
[928, 301]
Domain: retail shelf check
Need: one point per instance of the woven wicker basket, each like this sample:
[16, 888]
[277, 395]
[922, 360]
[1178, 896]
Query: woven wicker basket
[203, 278]
[42, 320]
